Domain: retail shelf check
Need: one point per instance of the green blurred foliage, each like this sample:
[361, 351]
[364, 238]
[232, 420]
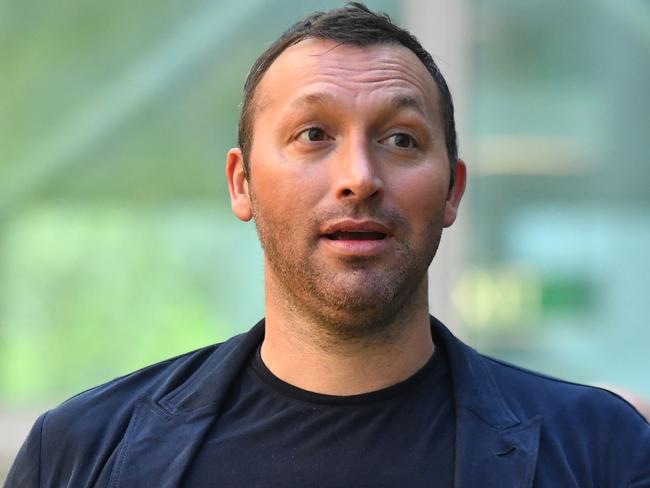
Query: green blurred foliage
[89, 293]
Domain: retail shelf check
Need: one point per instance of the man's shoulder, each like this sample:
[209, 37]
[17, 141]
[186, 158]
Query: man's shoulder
[100, 407]
[487, 385]
[80, 437]
[591, 431]
[109, 406]
[560, 401]
[150, 380]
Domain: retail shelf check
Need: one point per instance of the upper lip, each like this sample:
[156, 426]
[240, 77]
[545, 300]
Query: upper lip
[351, 225]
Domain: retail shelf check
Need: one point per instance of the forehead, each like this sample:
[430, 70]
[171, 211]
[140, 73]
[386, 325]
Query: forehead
[346, 71]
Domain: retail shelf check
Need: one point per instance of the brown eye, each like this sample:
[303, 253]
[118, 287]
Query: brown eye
[313, 134]
[400, 140]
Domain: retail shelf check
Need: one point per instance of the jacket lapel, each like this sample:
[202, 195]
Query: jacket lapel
[158, 447]
[164, 434]
[494, 447]
[499, 458]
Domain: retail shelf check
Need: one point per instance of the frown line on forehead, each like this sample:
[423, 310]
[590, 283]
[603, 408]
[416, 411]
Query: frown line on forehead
[396, 102]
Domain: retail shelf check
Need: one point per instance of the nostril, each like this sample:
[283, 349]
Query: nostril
[361, 193]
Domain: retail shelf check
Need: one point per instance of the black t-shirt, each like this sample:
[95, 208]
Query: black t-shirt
[272, 434]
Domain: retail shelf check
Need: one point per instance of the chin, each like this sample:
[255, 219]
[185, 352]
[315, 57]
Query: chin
[361, 311]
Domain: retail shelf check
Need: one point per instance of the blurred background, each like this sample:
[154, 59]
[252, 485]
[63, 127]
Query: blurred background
[118, 248]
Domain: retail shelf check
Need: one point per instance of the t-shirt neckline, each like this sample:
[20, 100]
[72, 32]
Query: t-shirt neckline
[432, 367]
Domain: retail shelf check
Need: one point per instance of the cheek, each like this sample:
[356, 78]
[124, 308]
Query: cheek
[286, 195]
[422, 197]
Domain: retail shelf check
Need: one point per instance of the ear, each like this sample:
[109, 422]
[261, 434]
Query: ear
[238, 185]
[455, 193]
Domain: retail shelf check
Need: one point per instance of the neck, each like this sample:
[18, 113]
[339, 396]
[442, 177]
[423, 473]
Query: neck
[300, 350]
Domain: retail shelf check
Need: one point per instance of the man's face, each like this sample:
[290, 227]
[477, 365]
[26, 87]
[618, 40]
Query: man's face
[349, 179]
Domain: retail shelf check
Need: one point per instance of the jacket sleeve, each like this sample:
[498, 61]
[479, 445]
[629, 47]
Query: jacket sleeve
[26, 469]
[641, 476]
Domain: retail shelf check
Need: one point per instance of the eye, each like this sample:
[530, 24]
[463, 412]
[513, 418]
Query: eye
[400, 140]
[312, 134]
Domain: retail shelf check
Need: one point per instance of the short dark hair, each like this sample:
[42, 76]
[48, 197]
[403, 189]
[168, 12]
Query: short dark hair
[355, 25]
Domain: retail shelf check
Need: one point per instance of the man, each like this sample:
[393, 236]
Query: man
[347, 162]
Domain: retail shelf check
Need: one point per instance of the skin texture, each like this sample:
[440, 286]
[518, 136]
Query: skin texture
[346, 138]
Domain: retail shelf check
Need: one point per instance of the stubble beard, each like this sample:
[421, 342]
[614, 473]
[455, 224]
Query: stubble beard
[362, 303]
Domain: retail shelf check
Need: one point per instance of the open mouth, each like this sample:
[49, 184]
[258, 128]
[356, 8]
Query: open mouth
[355, 236]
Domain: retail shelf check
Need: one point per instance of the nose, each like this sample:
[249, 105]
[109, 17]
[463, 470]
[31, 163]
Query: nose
[356, 173]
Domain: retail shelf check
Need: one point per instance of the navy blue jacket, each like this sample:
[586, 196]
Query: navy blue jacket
[514, 428]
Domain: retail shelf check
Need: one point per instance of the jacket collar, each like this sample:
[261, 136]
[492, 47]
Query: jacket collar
[207, 387]
[494, 448]
[474, 385]
[165, 432]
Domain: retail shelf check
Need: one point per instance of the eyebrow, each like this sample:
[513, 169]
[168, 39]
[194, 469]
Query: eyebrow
[408, 101]
[312, 99]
